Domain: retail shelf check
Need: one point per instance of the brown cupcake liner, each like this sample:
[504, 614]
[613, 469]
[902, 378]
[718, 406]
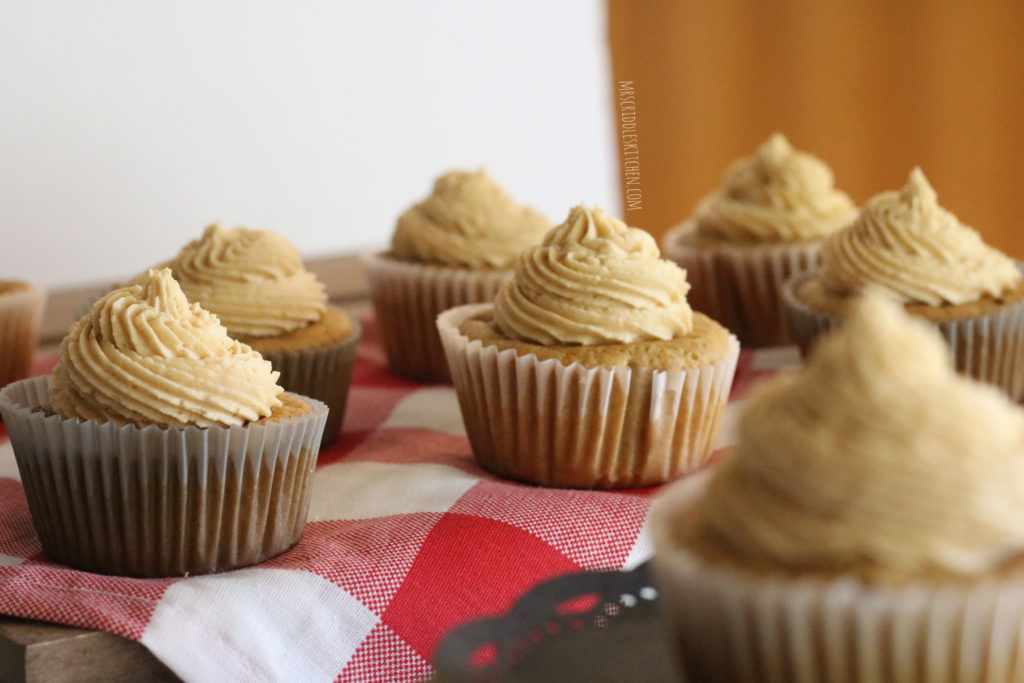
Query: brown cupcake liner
[159, 501]
[989, 347]
[726, 624]
[571, 426]
[323, 373]
[807, 323]
[21, 313]
[407, 298]
[740, 285]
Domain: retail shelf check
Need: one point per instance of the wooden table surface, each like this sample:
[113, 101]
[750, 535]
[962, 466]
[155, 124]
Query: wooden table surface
[38, 652]
[34, 651]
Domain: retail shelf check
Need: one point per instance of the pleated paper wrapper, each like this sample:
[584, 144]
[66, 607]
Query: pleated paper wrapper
[726, 624]
[407, 298]
[739, 285]
[988, 347]
[323, 373]
[21, 313]
[159, 501]
[571, 426]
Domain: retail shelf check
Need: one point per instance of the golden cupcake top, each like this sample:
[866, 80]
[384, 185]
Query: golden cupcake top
[876, 458]
[253, 280]
[779, 194]
[594, 280]
[908, 246]
[144, 355]
[468, 221]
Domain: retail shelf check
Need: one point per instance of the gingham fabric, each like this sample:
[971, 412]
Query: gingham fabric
[407, 538]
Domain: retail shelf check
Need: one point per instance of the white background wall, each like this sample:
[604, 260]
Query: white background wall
[126, 127]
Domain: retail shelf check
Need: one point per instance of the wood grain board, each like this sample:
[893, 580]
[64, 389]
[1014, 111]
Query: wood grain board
[872, 88]
[38, 652]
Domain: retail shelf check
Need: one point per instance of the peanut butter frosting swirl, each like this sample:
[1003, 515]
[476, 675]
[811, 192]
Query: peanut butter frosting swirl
[468, 221]
[905, 244]
[778, 195]
[253, 280]
[144, 355]
[593, 280]
[877, 458]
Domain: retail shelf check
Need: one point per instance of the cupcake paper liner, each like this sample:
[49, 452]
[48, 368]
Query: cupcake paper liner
[989, 347]
[159, 501]
[548, 423]
[21, 313]
[740, 285]
[407, 298]
[323, 373]
[731, 625]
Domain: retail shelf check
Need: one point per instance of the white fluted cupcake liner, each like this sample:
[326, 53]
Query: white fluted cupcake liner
[739, 285]
[407, 298]
[160, 501]
[323, 373]
[730, 625]
[988, 347]
[548, 423]
[21, 313]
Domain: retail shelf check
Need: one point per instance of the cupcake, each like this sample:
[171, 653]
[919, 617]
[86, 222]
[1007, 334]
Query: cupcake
[254, 281]
[765, 224]
[21, 311]
[589, 370]
[868, 525]
[455, 247]
[160, 446]
[907, 246]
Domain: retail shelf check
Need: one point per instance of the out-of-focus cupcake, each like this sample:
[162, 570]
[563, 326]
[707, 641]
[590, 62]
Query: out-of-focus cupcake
[160, 446]
[455, 247]
[589, 370]
[764, 225]
[868, 526]
[21, 311]
[255, 283]
[907, 246]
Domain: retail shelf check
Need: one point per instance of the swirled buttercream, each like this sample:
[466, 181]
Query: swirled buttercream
[468, 221]
[253, 280]
[779, 194]
[144, 355]
[593, 280]
[877, 458]
[905, 244]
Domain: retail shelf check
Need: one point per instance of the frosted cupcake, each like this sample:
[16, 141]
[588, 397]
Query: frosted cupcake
[589, 370]
[868, 526]
[764, 225]
[21, 311]
[907, 246]
[256, 284]
[455, 247]
[160, 446]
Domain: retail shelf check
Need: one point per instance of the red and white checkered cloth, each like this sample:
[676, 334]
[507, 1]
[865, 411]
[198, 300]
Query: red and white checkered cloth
[407, 538]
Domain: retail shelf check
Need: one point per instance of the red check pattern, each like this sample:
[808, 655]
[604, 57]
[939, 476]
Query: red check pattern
[407, 539]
